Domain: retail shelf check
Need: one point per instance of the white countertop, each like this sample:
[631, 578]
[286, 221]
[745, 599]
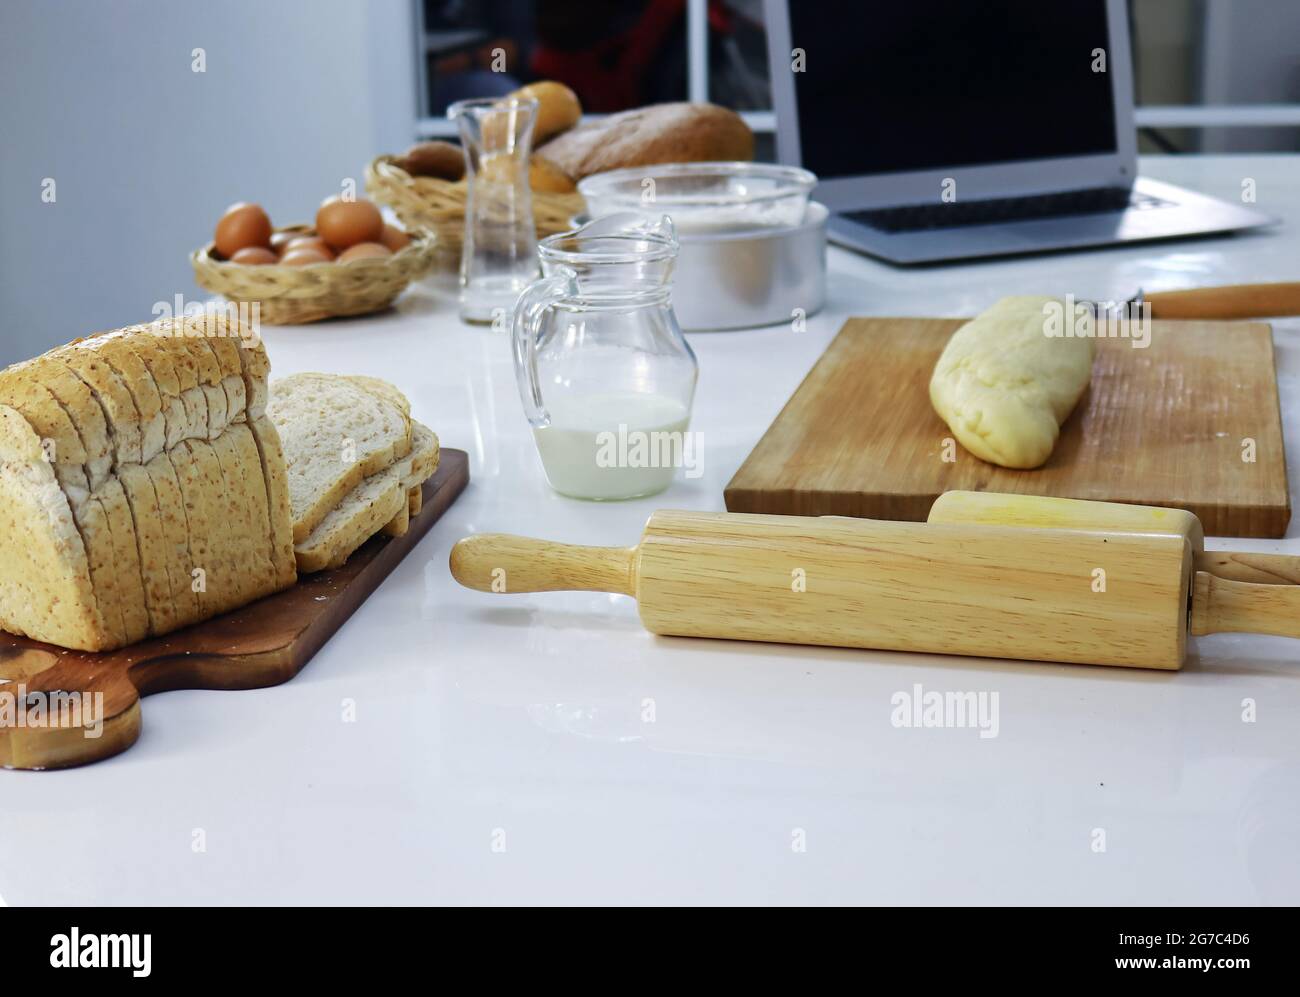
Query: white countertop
[488, 720]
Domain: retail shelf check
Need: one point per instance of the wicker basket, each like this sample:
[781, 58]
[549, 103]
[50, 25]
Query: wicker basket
[439, 206]
[296, 295]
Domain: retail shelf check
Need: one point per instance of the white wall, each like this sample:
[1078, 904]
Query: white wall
[100, 96]
[1251, 56]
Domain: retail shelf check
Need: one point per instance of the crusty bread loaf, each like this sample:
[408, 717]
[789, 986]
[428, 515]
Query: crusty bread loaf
[138, 496]
[660, 133]
[334, 433]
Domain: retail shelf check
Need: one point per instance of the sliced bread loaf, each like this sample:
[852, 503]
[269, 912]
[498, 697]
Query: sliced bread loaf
[128, 461]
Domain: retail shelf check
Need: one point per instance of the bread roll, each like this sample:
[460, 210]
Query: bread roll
[660, 133]
[558, 108]
[433, 159]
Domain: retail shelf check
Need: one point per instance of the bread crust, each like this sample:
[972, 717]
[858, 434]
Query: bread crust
[681, 132]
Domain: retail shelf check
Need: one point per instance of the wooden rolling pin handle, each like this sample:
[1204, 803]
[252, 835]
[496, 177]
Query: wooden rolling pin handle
[1263, 569]
[1221, 605]
[499, 562]
[1240, 301]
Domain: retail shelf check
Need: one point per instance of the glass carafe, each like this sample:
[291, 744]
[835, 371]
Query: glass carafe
[606, 377]
[499, 258]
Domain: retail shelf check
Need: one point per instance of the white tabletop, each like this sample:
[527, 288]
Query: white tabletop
[500, 751]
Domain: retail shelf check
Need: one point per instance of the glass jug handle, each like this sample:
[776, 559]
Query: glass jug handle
[526, 330]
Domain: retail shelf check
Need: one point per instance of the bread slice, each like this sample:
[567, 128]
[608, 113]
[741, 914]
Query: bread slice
[195, 402]
[178, 523]
[152, 549]
[120, 414]
[122, 419]
[22, 387]
[46, 591]
[279, 517]
[124, 577]
[259, 503]
[368, 507]
[203, 537]
[91, 423]
[383, 389]
[335, 434]
[246, 511]
[400, 523]
[162, 373]
[113, 349]
[122, 350]
[210, 375]
[226, 347]
[255, 366]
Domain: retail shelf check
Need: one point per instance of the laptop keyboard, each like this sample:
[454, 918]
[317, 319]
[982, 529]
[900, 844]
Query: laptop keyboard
[951, 214]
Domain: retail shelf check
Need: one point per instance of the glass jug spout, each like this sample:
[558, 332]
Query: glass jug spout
[618, 256]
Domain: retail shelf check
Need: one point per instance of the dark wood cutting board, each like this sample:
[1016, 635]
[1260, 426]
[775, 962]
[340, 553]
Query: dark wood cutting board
[1160, 426]
[263, 644]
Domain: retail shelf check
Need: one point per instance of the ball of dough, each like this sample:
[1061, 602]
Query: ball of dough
[1004, 386]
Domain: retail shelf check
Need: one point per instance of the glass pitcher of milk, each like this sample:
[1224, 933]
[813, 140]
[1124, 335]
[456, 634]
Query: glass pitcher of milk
[606, 377]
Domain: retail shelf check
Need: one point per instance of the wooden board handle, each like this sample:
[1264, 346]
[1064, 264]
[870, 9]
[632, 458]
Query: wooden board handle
[500, 562]
[1234, 302]
[1221, 605]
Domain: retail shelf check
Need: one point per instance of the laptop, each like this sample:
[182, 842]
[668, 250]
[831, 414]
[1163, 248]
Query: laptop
[957, 129]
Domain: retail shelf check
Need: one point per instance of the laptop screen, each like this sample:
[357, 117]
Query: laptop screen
[927, 84]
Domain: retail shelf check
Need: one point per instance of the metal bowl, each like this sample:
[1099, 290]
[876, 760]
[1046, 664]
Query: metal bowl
[742, 280]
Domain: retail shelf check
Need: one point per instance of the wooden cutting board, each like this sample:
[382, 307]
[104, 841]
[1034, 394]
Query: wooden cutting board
[263, 644]
[1160, 426]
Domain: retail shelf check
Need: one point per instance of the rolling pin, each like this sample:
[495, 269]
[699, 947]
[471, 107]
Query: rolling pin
[1087, 596]
[1062, 513]
[1235, 302]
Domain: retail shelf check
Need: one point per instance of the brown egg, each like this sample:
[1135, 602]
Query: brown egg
[303, 257]
[313, 242]
[281, 239]
[254, 256]
[364, 251]
[242, 225]
[345, 223]
[394, 238]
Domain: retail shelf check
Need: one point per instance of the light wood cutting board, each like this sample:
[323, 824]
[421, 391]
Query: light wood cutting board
[1160, 426]
[262, 644]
